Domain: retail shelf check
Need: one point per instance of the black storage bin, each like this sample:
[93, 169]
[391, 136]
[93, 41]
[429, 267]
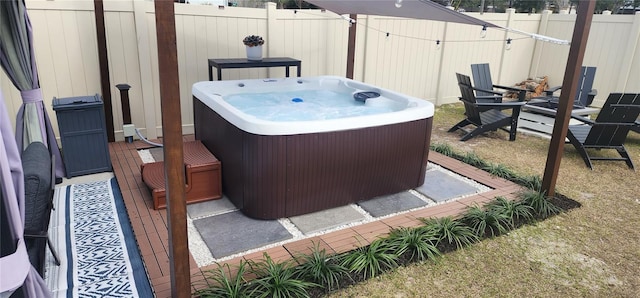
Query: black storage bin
[83, 134]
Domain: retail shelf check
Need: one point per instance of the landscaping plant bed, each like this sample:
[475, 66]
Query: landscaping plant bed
[320, 273]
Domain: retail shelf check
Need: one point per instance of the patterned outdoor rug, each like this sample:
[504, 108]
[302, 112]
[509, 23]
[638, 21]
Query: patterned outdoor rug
[92, 234]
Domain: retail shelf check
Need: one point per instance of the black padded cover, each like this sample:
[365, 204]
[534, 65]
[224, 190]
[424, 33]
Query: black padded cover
[36, 164]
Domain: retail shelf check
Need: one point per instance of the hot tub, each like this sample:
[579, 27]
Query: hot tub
[281, 166]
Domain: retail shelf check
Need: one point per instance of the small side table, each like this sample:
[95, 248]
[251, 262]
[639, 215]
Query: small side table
[220, 64]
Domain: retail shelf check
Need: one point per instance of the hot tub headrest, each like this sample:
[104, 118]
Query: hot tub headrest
[364, 95]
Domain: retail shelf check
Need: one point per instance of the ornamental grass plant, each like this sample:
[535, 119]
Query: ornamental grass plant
[225, 283]
[371, 260]
[277, 280]
[486, 222]
[414, 244]
[541, 206]
[322, 268]
[517, 212]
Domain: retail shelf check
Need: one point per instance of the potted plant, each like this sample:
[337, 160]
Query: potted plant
[254, 47]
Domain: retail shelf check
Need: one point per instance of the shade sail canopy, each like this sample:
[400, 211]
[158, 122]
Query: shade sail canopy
[415, 9]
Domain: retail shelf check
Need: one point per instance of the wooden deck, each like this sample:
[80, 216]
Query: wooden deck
[150, 226]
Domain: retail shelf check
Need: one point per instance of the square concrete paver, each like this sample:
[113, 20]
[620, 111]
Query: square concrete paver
[391, 204]
[440, 186]
[157, 153]
[210, 208]
[230, 233]
[326, 219]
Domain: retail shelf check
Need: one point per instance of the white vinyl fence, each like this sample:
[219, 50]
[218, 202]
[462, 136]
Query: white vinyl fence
[395, 53]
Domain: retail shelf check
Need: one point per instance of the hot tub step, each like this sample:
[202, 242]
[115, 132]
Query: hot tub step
[202, 176]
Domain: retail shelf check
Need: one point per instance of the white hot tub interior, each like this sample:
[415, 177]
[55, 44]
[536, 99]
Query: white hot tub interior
[302, 105]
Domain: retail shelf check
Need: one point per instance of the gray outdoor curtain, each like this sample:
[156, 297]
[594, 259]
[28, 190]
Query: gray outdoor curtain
[18, 61]
[15, 268]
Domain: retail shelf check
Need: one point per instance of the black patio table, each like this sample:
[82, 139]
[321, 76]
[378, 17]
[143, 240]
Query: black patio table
[220, 64]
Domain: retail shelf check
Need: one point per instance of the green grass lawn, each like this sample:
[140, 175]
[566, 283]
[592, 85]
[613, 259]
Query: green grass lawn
[590, 251]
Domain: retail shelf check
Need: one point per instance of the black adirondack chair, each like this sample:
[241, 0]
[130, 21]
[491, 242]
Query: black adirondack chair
[584, 95]
[609, 130]
[483, 113]
[636, 127]
[482, 80]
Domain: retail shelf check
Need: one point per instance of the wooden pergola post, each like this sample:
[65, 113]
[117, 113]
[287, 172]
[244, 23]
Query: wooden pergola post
[173, 155]
[103, 60]
[568, 93]
[351, 50]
